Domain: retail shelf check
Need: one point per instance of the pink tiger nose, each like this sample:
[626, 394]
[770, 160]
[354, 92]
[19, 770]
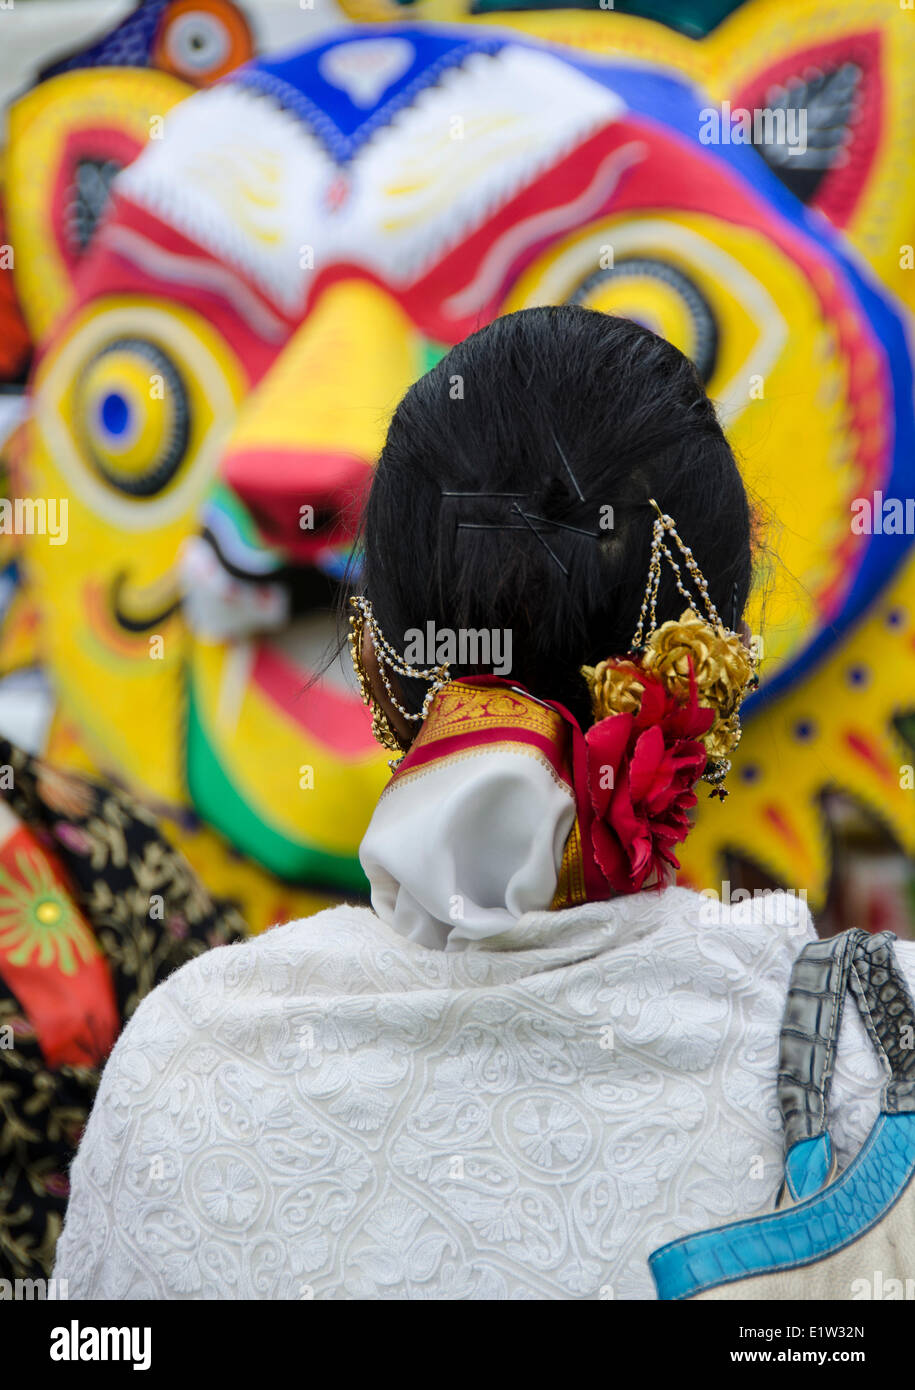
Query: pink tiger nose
[301, 501]
[300, 456]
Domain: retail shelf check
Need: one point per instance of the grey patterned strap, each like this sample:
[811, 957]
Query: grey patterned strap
[886, 1007]
[810, 1033]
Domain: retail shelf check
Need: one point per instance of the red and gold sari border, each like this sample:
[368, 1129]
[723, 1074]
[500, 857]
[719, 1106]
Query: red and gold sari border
[466, 716]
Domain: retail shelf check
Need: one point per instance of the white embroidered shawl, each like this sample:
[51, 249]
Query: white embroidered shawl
[332, 1111]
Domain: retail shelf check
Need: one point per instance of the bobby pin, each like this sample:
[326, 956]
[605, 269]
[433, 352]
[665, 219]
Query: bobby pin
[539, 535]
[564, 526]
[568, 467]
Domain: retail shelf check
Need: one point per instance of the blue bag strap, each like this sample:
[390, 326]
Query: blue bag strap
[824, 1216]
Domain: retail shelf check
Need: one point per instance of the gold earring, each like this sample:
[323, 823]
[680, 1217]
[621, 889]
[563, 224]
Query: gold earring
[382, 730]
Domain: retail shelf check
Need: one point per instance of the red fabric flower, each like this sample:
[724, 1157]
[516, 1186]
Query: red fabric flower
[642, 769]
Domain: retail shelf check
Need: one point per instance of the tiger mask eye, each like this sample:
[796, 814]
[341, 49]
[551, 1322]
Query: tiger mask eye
[133, 416]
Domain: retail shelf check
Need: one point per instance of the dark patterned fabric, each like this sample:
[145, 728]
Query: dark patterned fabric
[149, 915]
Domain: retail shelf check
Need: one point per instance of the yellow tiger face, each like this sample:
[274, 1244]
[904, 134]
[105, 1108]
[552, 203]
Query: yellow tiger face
[306, 239]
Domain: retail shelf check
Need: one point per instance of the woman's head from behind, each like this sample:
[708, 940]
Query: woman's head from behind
[512, 496]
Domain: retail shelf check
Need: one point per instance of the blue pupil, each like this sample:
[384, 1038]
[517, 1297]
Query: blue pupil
[115, 414]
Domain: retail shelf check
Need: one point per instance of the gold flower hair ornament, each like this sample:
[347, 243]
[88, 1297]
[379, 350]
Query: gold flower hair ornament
[723, 668]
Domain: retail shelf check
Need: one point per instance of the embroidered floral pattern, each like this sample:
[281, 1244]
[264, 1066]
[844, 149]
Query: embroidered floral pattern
[552, 1134]
[229, 1191]
[344, 1112]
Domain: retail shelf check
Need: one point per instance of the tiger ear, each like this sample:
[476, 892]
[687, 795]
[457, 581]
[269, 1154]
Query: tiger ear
[849, 65]
[67, 138]
[839, 96]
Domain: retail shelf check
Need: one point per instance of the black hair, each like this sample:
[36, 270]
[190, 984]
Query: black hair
[567, 413]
